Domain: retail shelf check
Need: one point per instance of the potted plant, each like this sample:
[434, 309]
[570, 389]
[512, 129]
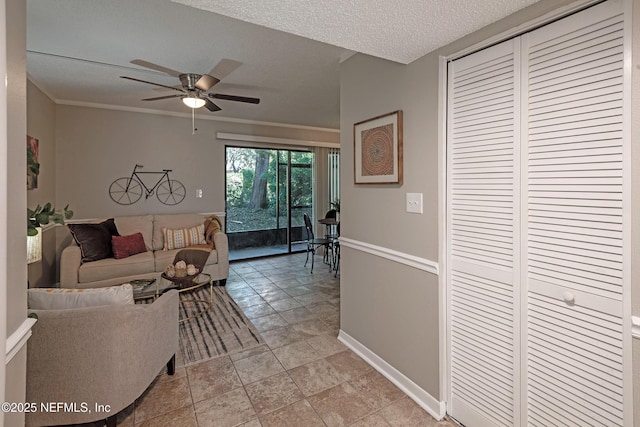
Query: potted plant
[42, 215]
[336, 205]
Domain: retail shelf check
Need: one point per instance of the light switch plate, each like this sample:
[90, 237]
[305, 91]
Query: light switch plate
[414, 202]
[199, 193]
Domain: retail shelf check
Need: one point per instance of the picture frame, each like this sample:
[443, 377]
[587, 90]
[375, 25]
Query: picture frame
[378, 149]
[33, 167]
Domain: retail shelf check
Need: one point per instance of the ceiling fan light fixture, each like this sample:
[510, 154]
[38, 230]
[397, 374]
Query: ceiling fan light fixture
[193, 102]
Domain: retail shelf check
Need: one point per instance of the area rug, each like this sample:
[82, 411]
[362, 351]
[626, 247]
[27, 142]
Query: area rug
[223, 329]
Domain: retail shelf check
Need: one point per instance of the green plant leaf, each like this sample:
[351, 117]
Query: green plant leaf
[43, 215]
[42, 218]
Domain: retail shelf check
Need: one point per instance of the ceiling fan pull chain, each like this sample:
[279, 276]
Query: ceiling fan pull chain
[193, 121]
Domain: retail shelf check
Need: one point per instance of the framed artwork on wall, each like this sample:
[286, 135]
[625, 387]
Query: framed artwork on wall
[33, 167]
[378, 150]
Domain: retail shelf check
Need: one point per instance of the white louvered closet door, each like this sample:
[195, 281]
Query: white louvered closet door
[576, 224]
[538, 228]
[483, 152]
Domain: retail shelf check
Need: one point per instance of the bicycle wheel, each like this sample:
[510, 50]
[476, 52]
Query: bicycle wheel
[125, 191]
[171, 192]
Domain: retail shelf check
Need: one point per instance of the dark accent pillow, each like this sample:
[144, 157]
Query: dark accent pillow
[94, 239]
[124, 246]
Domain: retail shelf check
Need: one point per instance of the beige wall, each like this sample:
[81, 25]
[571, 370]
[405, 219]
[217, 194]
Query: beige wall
[96, 146]
[41, 124]
[376, 214]
[393, 310]
[15, 279]
[390, 308]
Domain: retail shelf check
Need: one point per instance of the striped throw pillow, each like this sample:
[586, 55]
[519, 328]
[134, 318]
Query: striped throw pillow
[183, 237]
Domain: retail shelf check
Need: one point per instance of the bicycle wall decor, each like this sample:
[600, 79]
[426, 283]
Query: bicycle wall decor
[128, 190]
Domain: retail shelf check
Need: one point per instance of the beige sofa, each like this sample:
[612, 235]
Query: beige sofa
[111, 271]
[105, 355]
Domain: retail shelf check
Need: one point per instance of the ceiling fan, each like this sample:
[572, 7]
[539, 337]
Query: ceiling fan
[194, 88]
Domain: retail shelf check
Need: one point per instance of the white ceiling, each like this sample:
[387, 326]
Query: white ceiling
[77, 49]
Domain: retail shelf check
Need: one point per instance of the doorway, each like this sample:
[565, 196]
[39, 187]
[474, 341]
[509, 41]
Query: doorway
[267, 193]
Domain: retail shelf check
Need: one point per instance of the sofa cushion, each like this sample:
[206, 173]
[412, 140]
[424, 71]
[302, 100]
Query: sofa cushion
[174, 221]
[183, 237]
[137, 223]
[62, 299]
[165, 258]
[124, 246]
[111, 267]
[94, 239]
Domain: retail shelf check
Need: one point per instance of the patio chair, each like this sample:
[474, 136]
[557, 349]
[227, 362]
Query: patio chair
[313, 243]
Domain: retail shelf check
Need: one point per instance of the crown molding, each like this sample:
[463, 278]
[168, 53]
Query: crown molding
[188, 115]
[346, 55]
[41, 89]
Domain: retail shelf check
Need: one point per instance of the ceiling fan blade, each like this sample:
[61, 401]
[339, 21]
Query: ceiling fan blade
[206, 82]
[162, 97]
[224, 68]
[178, 87]
[234, 98]
[156, 67]
[211, 106]
[151, 83]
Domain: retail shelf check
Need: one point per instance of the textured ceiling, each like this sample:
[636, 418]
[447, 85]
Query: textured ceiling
[397, 30]
[77, 49]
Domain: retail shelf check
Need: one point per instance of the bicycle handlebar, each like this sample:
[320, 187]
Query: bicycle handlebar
[141, 166]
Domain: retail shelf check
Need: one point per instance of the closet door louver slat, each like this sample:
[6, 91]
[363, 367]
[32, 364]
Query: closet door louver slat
[482, 150]
[574, 197]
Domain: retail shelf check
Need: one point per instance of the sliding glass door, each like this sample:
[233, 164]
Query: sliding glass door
[267, 192]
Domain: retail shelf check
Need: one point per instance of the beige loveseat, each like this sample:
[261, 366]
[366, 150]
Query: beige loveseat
[110, 271]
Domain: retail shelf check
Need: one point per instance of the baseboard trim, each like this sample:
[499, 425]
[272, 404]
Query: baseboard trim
[393, 255]
[18, 338]
[436, 408]
[635, 326]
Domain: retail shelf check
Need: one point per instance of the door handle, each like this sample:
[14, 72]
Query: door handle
[569, 297]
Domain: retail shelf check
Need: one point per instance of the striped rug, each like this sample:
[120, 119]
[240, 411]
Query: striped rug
[223, 329]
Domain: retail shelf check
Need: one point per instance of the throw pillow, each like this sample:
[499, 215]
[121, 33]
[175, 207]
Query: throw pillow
[94, 239]
[124, 246]
[62, 299]
[184, 237]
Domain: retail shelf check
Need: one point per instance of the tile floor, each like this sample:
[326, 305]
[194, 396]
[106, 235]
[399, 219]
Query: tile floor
[302, 377]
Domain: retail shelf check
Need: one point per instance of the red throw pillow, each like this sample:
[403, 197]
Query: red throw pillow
[124, 246]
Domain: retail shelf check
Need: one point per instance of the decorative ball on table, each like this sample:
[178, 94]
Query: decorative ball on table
[181, 274]
[170, 271]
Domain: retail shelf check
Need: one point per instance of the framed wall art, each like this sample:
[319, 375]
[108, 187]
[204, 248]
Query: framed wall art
[33, 167]
[378, 150]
